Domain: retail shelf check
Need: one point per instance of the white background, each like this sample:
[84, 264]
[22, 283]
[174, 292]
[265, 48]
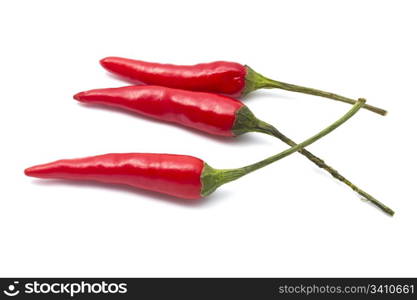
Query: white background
[289, 219]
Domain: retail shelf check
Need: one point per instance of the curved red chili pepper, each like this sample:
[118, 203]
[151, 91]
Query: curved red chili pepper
[217, 77]
[221, 77]
[211, 113]
[177, 175]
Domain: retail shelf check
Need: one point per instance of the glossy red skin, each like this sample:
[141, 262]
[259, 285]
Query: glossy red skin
[175, 175]
[220, 77]
[207, 112]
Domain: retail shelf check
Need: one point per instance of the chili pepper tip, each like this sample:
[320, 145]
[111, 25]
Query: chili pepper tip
[36, 171]
[104, 61]
[30, 171]
[78, 96]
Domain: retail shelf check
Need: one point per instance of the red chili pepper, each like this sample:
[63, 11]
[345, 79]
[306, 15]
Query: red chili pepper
[221, 77]
[207, 112]
[177, 175]
[212, 113]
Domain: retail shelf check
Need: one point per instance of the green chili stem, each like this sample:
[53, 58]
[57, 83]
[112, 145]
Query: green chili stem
[228, 175]
[260, 81]
[237, 173]
[271, 130]
[315, 92]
